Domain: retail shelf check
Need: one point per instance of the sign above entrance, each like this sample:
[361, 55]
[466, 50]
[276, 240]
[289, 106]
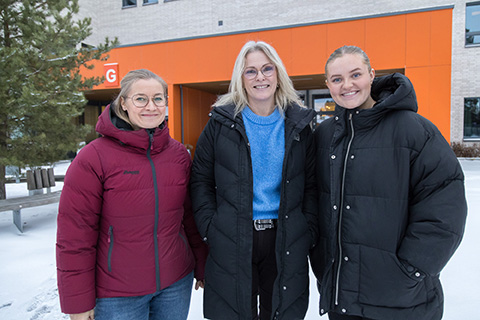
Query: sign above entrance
[111, 74]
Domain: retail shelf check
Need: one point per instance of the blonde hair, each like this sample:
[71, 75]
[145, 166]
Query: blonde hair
[126, 85]
[285, 93]
[340, 52]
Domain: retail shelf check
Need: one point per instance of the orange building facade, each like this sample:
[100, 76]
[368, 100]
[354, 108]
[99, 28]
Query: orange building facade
[417, 44]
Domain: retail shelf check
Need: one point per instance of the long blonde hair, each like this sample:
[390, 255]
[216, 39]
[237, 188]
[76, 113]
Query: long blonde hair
[285, 93]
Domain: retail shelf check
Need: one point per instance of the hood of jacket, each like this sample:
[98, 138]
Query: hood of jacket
[111, 126]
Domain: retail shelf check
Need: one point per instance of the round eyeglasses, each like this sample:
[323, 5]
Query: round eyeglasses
[251, 72]
[141, 100]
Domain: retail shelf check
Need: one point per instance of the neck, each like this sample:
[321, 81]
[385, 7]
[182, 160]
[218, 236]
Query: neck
[263, 110]
[368, 104]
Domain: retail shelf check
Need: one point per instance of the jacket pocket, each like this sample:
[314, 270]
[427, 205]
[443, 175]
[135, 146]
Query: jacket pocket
[385, 282]
[318, 259]
[110, 247]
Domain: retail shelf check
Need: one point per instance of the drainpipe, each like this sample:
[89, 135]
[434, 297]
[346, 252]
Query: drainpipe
[181, 111]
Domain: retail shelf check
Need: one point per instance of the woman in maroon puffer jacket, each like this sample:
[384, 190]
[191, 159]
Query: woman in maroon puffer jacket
[125, 227]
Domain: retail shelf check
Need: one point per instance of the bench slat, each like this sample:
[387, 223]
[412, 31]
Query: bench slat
[29, 201]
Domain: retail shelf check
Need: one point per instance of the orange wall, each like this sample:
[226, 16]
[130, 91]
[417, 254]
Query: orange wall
[197, 105]
[419, 42]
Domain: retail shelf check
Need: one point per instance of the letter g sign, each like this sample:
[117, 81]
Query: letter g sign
[111, 74]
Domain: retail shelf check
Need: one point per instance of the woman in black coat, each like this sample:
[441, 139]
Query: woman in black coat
[253, 195]
[391, 197]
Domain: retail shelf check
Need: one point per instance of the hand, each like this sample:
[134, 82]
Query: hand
[89, 315]
[199, 284]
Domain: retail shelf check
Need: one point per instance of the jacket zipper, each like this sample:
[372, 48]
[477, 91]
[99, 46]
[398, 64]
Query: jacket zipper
[237, 126]
[289, 137]
[342, 195]
[110, 247]
[155, 228]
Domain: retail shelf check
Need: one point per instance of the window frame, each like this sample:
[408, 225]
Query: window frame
[124, 6]
[468, 118]
[320, 114]
[475, 33]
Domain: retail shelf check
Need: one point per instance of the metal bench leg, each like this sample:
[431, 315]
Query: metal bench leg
[17, 219]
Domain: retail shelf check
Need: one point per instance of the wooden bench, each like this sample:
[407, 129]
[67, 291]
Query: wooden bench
[17, 204]
[37, 180]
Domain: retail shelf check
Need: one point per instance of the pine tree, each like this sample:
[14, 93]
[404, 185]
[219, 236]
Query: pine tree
[40, 82]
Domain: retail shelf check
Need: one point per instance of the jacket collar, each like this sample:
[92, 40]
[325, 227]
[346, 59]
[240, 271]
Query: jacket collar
[295, 116]
[110, 125]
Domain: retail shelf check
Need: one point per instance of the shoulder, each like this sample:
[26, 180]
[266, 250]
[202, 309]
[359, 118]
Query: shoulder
[179, 148]
[411, 122]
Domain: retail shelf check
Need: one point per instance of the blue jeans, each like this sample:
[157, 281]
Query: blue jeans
[171, 303]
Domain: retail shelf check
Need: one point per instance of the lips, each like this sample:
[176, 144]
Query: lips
[349, 94]
[264, 86]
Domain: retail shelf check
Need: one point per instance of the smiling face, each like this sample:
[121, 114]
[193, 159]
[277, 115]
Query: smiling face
[260, 89]
[349, 82]
[150, 116]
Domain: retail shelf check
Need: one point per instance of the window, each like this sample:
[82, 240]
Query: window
[129, 3]
[324, 105]
[471, 122]
[472, 24]
[149, 1]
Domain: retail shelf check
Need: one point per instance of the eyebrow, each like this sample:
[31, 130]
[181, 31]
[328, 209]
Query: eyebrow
[351, 71]
[246, 67]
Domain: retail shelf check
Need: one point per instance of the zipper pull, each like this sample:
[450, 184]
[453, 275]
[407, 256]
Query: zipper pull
[151, 140]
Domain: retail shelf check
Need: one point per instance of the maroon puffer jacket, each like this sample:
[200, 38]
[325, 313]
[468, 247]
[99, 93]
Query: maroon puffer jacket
[125, 226]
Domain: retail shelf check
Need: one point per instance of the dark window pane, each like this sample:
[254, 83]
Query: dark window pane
[128, 3]
[471, 127]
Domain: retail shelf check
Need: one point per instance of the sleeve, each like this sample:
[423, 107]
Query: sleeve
[437, 208]
[202, 182]
[310, 192]
[199, 248]
[77, 232]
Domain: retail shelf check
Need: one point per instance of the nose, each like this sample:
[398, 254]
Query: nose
[347, 83]
[260, 76]
[150, 105]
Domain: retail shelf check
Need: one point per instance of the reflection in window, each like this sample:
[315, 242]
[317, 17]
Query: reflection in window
[149, 1]
[129, 3]
[324, 105]
[471, 127]
[472, 23]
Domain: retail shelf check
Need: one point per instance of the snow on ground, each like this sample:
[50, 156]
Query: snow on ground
[28, 288]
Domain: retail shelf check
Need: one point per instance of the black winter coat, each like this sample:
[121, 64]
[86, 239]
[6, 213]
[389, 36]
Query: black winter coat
[392, 208]
[222, 195]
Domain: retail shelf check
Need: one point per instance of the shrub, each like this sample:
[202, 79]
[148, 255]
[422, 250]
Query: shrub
[466, 151]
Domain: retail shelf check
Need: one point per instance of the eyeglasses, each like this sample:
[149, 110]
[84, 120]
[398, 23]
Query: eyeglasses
[251, 73]
[141, 100]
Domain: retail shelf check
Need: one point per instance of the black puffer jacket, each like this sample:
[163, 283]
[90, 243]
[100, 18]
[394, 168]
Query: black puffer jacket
[222, 194]
[392, 208]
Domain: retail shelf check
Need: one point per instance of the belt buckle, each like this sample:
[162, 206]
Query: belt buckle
[263, 224]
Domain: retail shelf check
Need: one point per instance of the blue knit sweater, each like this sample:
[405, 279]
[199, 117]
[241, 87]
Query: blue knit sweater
[266, 136]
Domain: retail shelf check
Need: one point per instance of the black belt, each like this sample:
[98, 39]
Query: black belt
[264, 224]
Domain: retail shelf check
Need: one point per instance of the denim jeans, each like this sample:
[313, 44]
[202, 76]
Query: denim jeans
[171, 303]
